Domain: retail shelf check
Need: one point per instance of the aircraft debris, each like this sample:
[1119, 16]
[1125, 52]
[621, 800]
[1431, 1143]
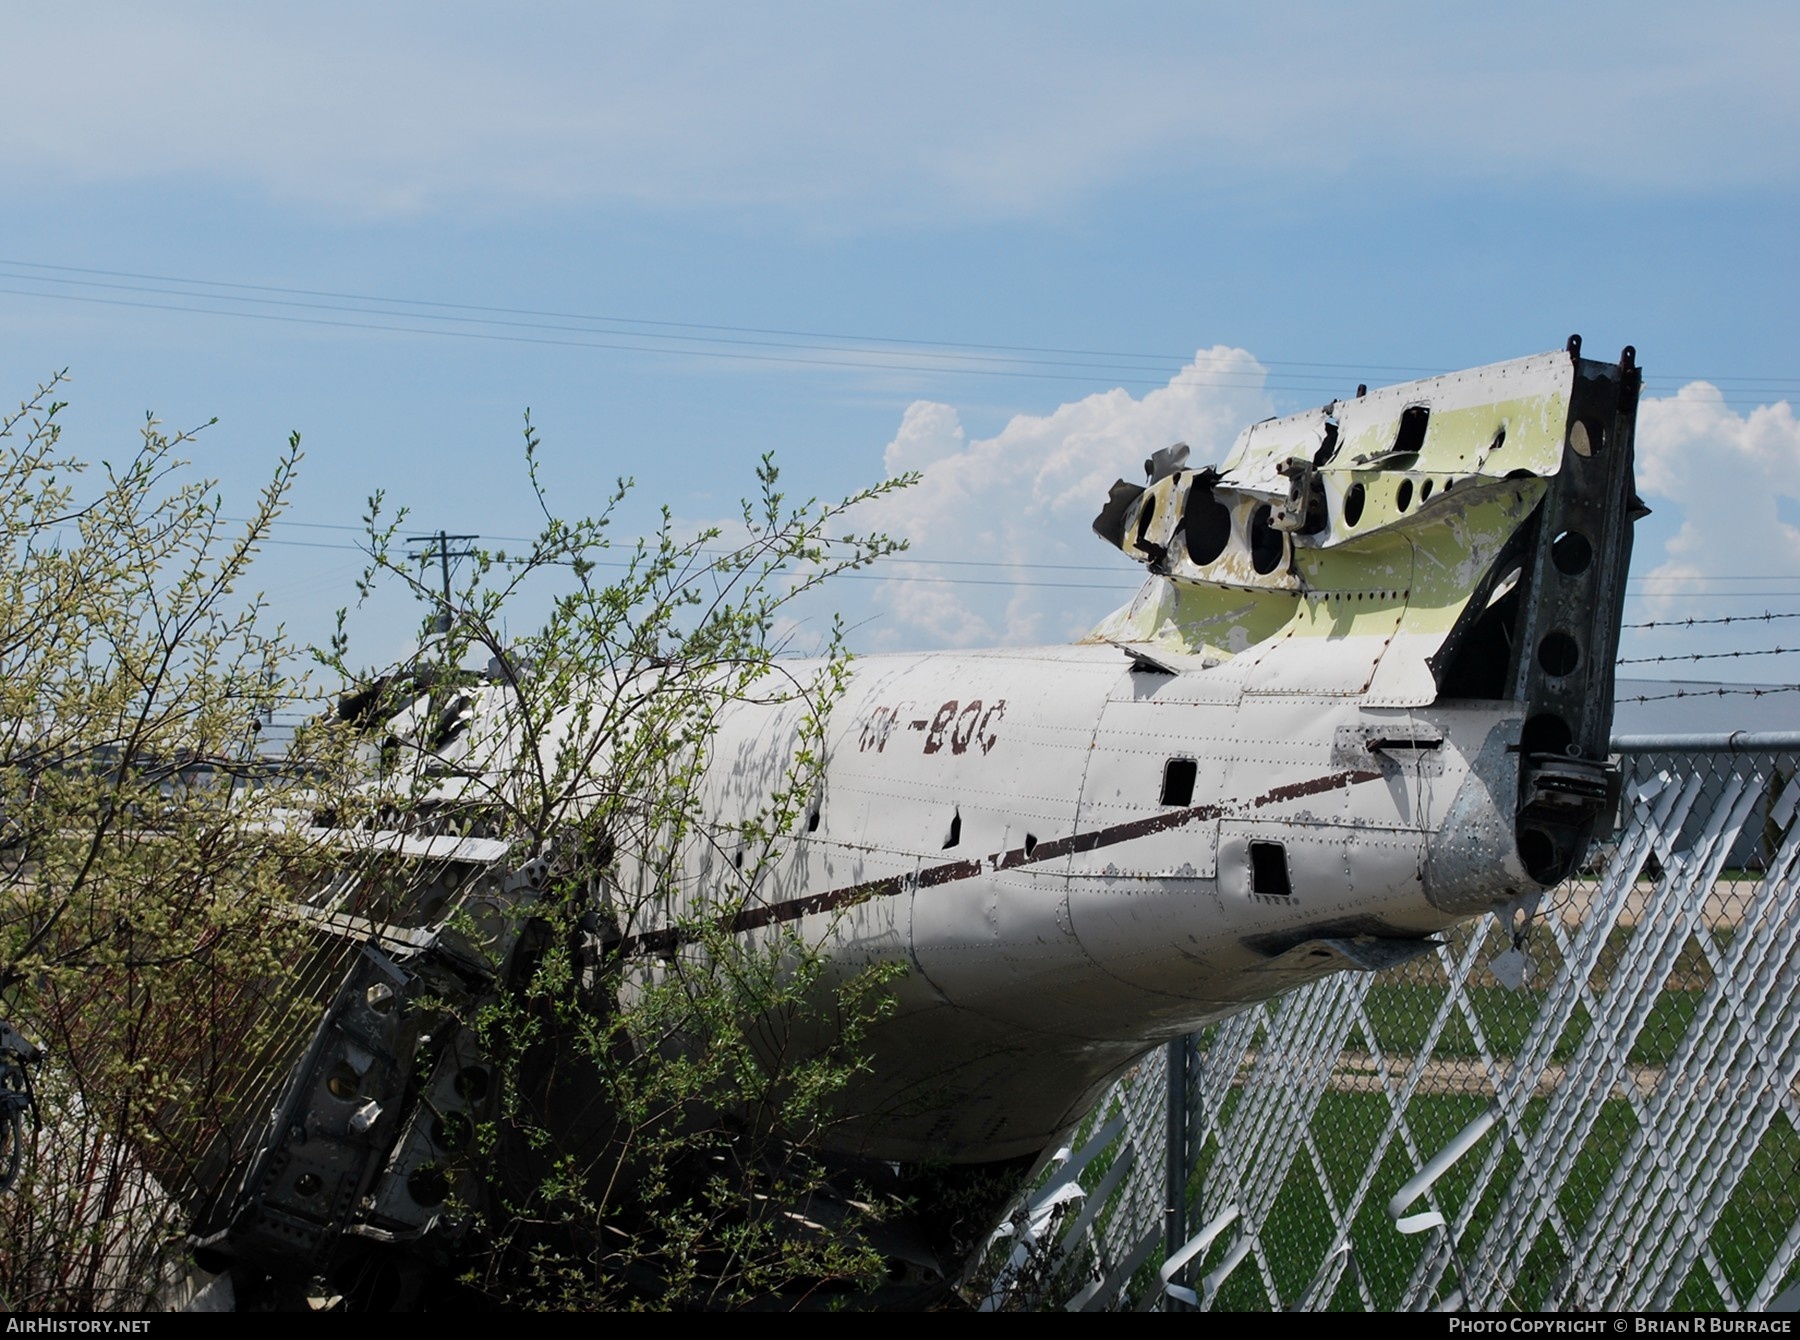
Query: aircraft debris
[1366, 692]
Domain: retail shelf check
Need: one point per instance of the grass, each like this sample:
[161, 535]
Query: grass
[1401, 1014]
[1299, 1218]
[1299, 1231]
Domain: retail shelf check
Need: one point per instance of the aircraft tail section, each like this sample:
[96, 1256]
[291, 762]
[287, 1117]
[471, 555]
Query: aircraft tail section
[1464, 537]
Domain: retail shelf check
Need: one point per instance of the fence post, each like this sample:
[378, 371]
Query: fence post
[1175, 1153]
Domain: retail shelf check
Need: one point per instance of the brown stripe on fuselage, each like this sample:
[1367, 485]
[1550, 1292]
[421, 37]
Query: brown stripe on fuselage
[775, 914]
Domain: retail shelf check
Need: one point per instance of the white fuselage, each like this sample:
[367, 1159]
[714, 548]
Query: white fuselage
[1057, 846]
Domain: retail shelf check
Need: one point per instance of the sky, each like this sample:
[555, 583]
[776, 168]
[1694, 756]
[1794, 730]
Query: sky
[1016, 247]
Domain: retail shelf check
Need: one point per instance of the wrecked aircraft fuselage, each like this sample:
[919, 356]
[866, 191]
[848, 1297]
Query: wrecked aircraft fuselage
[1365, 692]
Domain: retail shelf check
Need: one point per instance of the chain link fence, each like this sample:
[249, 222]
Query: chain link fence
[1590, 1104]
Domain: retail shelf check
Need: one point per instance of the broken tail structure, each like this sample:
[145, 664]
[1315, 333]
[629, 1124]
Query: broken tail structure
[1465, 537]
[1567, 640]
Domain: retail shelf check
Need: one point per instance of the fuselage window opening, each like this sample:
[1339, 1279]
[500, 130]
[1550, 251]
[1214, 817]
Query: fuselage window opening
[1269, 870]
[1179, 775]
[954, 836]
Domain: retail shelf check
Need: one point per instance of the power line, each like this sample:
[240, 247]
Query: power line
[1125, 578]
[543, 325]
[792, 360]
[683, 325]
[1305, 375]
[1123, 574]
[1009, 565]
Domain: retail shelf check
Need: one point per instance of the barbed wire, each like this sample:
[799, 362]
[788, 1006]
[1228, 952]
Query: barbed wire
[1719, 692]
[1764, 617]
[1705, 656]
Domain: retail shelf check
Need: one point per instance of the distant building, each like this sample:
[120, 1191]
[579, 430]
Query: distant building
[1662, 707]
[1701, 707]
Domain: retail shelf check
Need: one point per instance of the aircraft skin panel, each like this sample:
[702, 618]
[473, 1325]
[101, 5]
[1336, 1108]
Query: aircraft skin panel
[1128, 924]
[996, 946]
[1528, 396]
[968, 788]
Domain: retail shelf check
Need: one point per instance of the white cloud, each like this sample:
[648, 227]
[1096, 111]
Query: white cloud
[1010, 515]
[929, 432]
[1723, 474]
[877, 112]
[1007, 517]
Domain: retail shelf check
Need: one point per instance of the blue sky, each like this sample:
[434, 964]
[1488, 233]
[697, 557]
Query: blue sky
[1283, 200]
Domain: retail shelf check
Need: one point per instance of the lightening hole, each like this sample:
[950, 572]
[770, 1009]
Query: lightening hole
[1559, 654]
[1571, 552]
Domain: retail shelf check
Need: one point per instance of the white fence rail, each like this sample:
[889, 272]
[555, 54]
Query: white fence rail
[1592, 1105]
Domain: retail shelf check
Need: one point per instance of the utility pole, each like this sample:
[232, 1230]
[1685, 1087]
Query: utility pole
[441, 543]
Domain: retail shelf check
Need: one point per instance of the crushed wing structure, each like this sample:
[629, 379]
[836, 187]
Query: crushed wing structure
[1364, 692]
